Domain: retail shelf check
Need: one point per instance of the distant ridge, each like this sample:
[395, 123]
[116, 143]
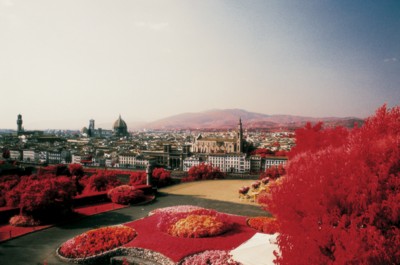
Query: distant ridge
[223, 119]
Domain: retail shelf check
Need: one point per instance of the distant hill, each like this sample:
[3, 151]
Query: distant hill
[222, 119]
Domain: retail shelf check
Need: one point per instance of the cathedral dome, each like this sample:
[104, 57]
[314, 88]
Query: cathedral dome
[120, 127]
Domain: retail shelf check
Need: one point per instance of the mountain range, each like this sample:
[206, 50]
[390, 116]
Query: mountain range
[223, 119]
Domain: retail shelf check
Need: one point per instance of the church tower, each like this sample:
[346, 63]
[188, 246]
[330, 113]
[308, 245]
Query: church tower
[19, 123]
[240, 137]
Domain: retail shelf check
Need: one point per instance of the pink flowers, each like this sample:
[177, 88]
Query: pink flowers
[214, 257]
[194, 223]
[97, 241]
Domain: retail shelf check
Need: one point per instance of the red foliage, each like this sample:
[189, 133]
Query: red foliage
[203, 172]
[137, 178]
[314, 138]
[263, 152]
[161, 177]
[97, 241]
[126, 194]
[339, 202]
[76, 170]
[102, 181]
[47, 199]
[273, 172]
[7, 183]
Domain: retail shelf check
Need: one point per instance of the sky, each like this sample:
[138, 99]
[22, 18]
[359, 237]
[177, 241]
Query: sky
[64, 62]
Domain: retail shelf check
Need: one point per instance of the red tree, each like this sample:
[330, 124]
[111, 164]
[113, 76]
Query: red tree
[47, 199]
[161, 177]
[102, 181]
[203, 172]
[339, 202]
[125, 194]
[137, 178]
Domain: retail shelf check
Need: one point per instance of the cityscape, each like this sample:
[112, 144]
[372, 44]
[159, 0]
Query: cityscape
[200, 132]
[231, 151]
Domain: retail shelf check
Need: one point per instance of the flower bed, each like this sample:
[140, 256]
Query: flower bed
[176, 209]
[97, 241]
[266, 225]
[177, 248]
[213, 257]
[193, 224]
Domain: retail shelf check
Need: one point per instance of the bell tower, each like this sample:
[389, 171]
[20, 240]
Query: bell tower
[19, 124]
[240, 137]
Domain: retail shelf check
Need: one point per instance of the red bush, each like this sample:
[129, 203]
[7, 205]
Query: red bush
[7, 183]
[137, 178]
[339, 202]
[161, 177]
[203, 172]
[273, 172]
[47, 199]
[125, 194]
[76, 170]
[102, 181]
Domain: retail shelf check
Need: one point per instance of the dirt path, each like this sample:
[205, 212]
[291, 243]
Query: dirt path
[220, 190]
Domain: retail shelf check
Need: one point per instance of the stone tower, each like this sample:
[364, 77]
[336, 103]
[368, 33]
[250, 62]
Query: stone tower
[240, 137]
[91, 128]
[19, 123]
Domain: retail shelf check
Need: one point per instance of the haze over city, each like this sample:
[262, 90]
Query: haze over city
[65, 62]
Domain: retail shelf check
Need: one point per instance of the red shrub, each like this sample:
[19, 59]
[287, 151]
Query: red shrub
[47, 199]
[203, 172]
[7, 183]
[76, 170]
[102, 181]
[125, 194]
[161, 177]
[339, 202]
[137, 178]
[273, 172]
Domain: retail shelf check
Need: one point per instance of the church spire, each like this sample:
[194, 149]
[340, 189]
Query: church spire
[240, 136]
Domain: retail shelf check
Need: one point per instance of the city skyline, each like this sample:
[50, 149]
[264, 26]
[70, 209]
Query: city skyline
[63, 63]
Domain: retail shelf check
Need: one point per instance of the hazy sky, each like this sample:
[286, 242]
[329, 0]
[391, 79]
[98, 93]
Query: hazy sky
[63, 62]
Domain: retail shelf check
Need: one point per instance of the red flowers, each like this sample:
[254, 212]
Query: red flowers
[266, 225]
[193, 224]
[97, 241]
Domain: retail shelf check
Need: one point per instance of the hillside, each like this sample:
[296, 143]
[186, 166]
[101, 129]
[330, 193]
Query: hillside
[221, 119]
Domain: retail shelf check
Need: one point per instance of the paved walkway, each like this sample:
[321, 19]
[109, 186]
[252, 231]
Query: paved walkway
[38, 247]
